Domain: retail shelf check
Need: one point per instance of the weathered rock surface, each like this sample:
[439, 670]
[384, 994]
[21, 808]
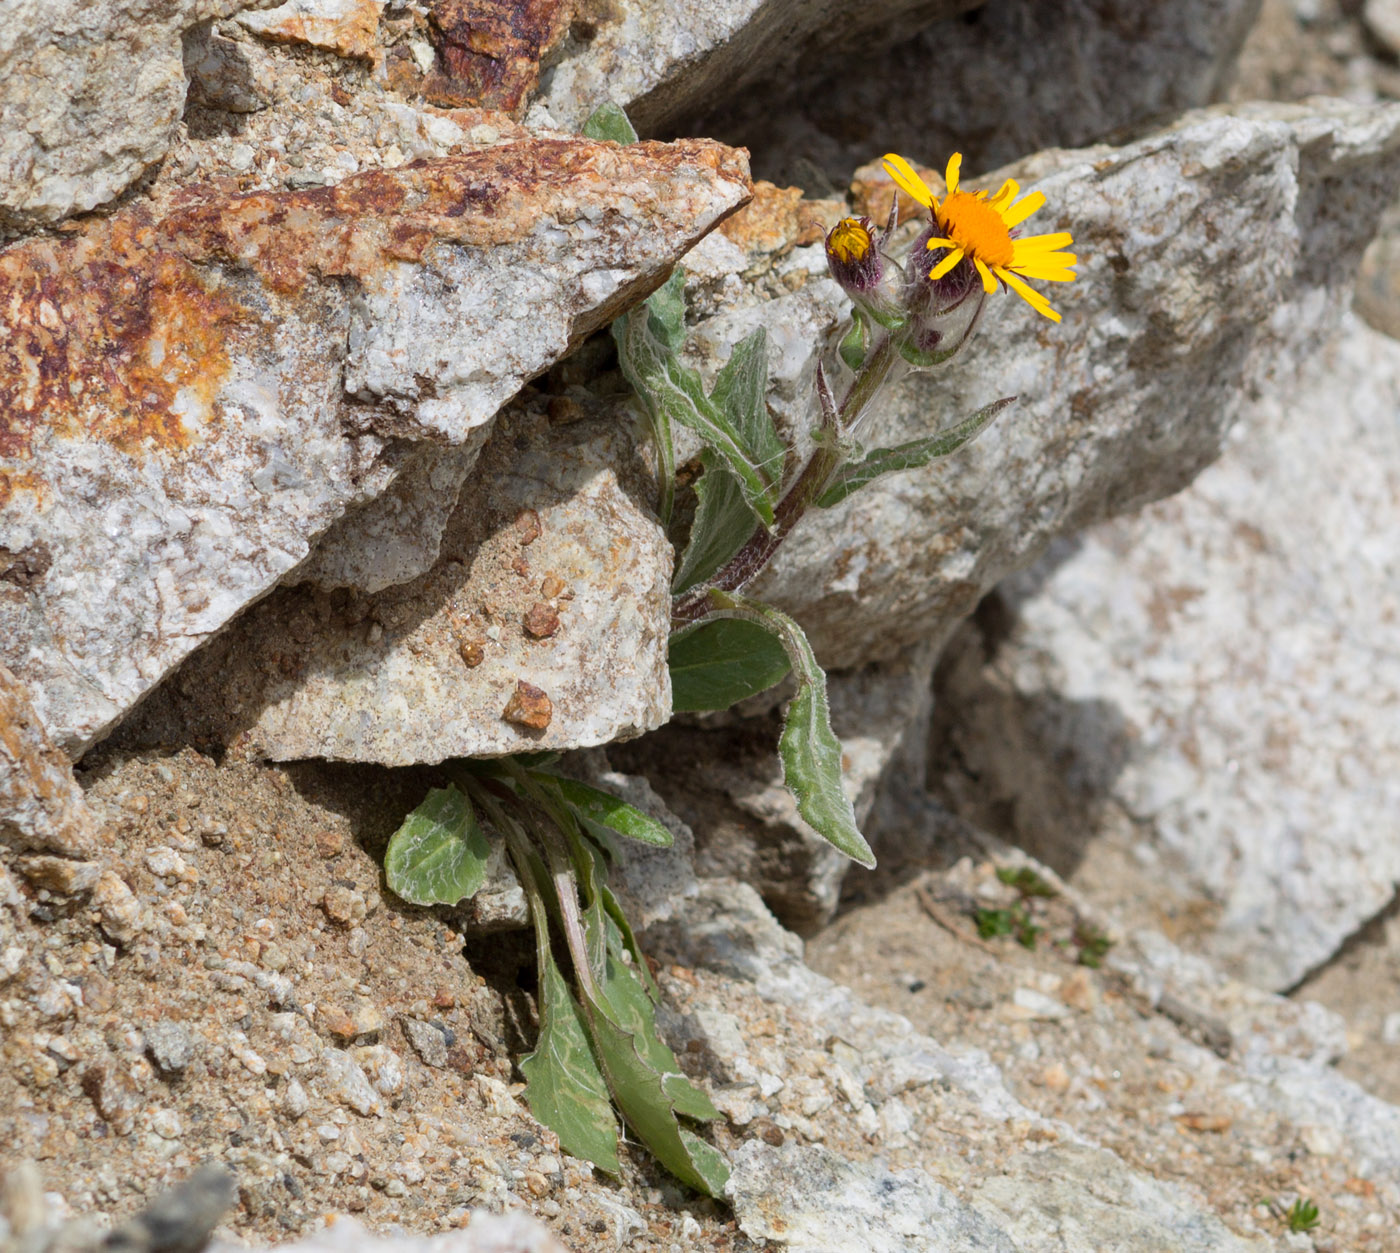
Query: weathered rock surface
[91, 95]
[191, 399]
[41, 806]
[1208, 688]
[662, 62]
[1214, 256]
[551, 575]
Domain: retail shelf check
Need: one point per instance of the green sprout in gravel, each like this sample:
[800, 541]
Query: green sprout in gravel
[1302, 1216]
[599, 1054]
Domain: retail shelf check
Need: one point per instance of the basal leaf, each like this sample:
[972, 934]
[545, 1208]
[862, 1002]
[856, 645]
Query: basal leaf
[438, 856]
[608, 121]
[611, 811]
[723, 521]
[666, 311]
[723, 661]
[564, 1088]
[851, 478]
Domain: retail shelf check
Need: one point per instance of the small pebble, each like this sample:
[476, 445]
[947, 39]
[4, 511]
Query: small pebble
[170, 1045]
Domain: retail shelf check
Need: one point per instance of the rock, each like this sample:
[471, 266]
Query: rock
[346, 1083]
[182, 1219]
[515, 1232]
[798, 1196]
[1133, 403]
[226, 73]
[662, 62]
[91, 94]
[1206, 690]
[41, 806]
[349, 28]
[119, 912]
[385, 678]
[60, 875]
[1378, 283]
[430, 1041]
[726, 782]
[1086, 74]
[170, 1045]
[263, 349]
[1382, 19]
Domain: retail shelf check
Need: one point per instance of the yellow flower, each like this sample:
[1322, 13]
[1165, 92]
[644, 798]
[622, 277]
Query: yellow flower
[850, 241]
[983, 230]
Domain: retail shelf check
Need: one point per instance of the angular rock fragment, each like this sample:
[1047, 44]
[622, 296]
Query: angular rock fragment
[1206, 691]
[41, 806]
[189, 400]
[662, 62]
[349, 28]
[489, 54]
[91, 94]
[445, 665]
[1214, 257]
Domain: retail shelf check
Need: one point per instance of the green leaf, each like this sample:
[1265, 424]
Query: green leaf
[723, 522]
[647, 1083]
[438, 856]
[608, 121]
[851, 478]
[852, 347]
[741, 392]
[723, 661]
[672, 392]
[563, 1085]
[594, 805]
[808, 747]
[666, 311]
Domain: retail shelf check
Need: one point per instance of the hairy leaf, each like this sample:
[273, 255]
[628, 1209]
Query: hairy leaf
[723, 521]
[438, 856]
[666, 311]
[723, 661]
[594, 805]
[741, 392]
[672, 392]
[851, 478]
[608, 121]
[563, 1085]
[808, 747]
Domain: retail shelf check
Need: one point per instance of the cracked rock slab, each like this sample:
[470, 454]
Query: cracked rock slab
[551, 579]
[1214, 256]
[188, 400]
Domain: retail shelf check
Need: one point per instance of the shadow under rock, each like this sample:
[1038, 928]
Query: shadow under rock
[1035, 769]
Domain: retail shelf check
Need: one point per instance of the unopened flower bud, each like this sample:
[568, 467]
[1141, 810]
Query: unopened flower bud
[854, 258]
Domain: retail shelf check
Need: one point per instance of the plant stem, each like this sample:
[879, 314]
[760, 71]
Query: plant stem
[760, 547]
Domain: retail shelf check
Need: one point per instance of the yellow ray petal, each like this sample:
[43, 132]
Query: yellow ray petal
[989, 284]
[903, 173]
[1048, 275]
[1028, 294]
[1042, 243]
[946, 264]
[941, 243]
[1006, 192]
[1014, 215]
[954, 168]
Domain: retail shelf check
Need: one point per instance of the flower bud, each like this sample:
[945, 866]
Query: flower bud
[854, 258]
[942, 311]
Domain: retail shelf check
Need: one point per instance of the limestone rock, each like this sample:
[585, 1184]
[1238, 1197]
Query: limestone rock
[1214, 256]
[514, 1232]
[662, 61]
[191, 399]
[1207, 689]
[348, 28]
[425, 670]
[41, 806]
[91, 94]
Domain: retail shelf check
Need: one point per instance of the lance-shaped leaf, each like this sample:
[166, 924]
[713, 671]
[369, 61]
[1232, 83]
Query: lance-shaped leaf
[672, 392]
[666, 311]
[438, 856]
[741, 392]
[851, 478]
[808, 747]
[608, 121]
[723, 521]
[592, 805]
[722, 661]
[564, 1088]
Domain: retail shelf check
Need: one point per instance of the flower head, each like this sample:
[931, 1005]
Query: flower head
[971, 226]
[853, 255]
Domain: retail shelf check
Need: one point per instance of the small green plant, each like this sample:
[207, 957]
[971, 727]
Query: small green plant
[1015, 921]
[1025, 881]
[1302, 1216]
[1093, 945]
[598, 1049]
